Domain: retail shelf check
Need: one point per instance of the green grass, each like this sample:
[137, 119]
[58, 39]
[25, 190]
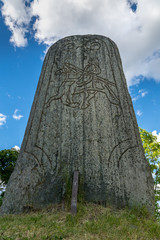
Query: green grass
[91, 222]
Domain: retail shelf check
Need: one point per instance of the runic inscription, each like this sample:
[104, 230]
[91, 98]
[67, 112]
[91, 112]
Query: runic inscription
[80, 86]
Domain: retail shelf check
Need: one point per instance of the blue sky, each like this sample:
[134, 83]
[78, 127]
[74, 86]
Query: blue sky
[28, 28]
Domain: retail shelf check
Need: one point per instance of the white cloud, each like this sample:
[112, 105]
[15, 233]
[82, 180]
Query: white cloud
[17, 17]
[157, 135]
[8, 95]
[136, 33]
[141, 94]
[2, 119]
[134, 99]
[16, 148]
[17, 116]
[139, 113]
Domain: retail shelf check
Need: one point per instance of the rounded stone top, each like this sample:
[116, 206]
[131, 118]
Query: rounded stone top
[92, 38]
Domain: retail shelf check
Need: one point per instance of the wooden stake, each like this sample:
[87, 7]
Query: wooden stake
[74, 193]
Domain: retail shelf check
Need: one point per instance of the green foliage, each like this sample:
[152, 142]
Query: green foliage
[7, 163]
[152, 153]
[1, 199]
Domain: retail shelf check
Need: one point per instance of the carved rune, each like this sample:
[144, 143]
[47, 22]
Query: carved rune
[81, 86]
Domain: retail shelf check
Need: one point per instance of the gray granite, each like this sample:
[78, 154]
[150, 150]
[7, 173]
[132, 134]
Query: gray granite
[82, 119]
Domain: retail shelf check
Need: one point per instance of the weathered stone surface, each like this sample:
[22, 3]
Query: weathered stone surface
[82, 119]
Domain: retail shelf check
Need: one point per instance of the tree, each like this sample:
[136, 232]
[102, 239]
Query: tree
[152, 153]
[8, 160]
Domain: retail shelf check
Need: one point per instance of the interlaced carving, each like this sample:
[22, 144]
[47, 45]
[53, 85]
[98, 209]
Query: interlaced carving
[80, 86]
